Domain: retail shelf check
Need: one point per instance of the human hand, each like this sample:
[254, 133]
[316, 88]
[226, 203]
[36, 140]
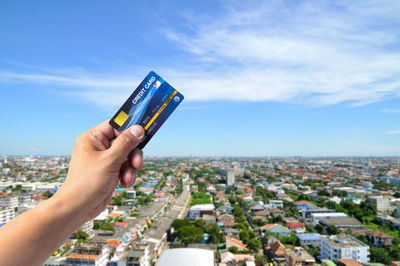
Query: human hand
[102, 158]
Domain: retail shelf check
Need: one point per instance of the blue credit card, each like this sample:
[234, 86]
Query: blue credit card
[149, 106]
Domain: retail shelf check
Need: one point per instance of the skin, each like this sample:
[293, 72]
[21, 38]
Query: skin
[102, 158]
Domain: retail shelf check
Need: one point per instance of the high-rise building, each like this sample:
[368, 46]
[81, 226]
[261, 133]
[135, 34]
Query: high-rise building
[8, 201]
[382, 203]
[230, 177]
[6, 215]
[343, 247]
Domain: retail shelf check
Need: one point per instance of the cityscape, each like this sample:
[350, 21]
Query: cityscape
[227, 211]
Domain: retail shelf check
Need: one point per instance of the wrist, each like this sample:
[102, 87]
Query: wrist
[68, 209]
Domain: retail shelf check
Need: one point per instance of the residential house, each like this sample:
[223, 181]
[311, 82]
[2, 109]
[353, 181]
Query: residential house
[228, 257]
[226, 220]
[275, 204]
[296, 227]
[276, 229]
[298, 256]
[232, 242]
[379, 238]
[303, 204]
[276, 212]
[309, 239]
[276, 253]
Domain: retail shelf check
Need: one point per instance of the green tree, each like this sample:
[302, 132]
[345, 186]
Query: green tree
[80, 235]
[332, 230]
[254, 244]
[190, 234]
[261, 260]
[379, 255]
[117, 200]
[233, 250]
[178, 223]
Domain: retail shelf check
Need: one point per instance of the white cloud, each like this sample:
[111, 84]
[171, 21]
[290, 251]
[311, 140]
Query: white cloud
[394, 132]
[391, 111]
[307, 53]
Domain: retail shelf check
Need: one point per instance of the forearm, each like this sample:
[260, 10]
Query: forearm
[32, 237]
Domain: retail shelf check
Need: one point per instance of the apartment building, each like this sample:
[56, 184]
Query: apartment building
[6, 215]
[343, 247]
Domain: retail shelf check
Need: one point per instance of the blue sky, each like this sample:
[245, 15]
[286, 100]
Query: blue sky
[260, 78]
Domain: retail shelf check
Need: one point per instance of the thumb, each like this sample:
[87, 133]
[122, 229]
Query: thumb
[126, 142]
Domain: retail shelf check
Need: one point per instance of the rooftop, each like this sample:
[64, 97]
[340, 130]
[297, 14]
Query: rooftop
[187, 256]
[343, 241]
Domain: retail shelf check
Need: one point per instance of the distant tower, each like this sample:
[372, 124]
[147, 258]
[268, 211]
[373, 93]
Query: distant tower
[230, 177]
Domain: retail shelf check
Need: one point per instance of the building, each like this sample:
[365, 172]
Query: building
[94, 253]
[186, 256]
[309, 239]
[276, 253]
[398, 209]
[298, 256]
[379, 238]
[87, 227]
[228, 257]
[230, 177]
[382, 203]
[344, 223]
[226, 220]
[232, 242]
[347, 262]
[6, 215]
[8, 201]
[306, 213]
[296, 227]
[302, 204]
[133, 255]
[316, 217]
[276, 229]
[24, 200]
[275, 204]
[343, 247]
[197, 211]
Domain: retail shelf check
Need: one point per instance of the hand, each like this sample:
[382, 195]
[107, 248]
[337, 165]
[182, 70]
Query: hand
[102, 158]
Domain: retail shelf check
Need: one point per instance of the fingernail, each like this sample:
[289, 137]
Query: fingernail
[137, 131]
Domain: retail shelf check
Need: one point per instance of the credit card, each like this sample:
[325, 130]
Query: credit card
[149, 106]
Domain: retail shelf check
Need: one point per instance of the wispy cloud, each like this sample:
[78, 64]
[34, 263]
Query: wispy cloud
[298, 52]
[394, 132]
[391, 111]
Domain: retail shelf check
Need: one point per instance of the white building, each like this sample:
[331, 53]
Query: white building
[7, 201]
[6, 215]
[276, 204]
[382, 203]
[343, 247]
[197, 211]
[24, 200]
[187, 256]
[87, 227]
[230, 177]
[137, 255]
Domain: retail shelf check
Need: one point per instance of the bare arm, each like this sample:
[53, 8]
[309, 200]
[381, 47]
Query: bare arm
[101, 159]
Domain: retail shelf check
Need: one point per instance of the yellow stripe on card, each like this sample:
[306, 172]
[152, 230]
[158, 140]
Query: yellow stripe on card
[121, 118]
[160, 110]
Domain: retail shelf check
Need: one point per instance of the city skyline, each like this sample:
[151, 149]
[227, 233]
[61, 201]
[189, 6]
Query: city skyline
[283, 79]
